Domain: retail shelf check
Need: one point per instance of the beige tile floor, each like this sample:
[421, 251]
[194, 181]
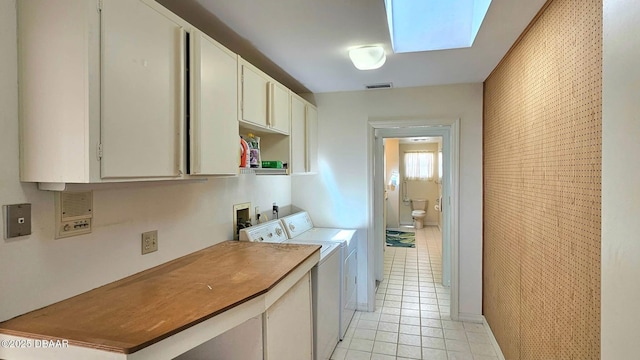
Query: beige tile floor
[411, 320]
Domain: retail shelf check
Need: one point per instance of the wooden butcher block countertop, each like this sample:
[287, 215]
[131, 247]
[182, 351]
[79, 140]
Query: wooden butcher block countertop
[137, 311]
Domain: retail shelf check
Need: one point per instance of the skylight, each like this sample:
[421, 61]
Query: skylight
[424, 25]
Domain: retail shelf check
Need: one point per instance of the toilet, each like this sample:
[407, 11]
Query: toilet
[419, 207]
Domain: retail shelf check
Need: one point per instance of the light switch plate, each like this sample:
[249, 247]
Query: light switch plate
[17, 220]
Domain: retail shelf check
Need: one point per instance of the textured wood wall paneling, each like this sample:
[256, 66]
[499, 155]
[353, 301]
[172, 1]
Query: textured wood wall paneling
[542, 187]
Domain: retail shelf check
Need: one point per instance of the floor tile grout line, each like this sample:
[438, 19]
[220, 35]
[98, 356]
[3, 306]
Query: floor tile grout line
[412, 265]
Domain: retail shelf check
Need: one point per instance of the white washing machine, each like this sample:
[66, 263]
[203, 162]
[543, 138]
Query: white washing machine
[299, 227]
[325, 280]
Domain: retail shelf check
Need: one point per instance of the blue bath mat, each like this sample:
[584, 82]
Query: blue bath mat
[401, 238]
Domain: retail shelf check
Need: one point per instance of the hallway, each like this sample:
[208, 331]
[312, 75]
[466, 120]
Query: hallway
[411, 320]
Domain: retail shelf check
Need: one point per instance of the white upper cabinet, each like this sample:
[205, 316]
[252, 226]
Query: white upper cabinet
[312, 139]
[264, 103]
[298, 136]
[125, 90]
[214, 140]
[304, 136]
[101, 91]
[59, 90]
[280, 117]
[142, 91]
[255, 96]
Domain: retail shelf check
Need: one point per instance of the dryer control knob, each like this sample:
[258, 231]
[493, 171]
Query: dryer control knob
[292, 227]
[278, 232]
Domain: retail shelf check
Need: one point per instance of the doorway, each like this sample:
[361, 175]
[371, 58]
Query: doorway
[447, 130]
[413, 181]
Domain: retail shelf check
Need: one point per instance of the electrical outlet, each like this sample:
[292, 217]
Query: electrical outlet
[149, 241]
[257, 214]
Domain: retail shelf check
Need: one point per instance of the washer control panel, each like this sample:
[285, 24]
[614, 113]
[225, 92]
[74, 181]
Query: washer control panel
[271, 231]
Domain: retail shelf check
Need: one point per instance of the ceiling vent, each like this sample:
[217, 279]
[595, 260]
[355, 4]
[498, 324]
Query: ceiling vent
[379, 86]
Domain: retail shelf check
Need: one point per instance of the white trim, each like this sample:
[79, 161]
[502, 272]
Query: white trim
[493, 340]
[449, 129]
[472, 318]
[404, 227]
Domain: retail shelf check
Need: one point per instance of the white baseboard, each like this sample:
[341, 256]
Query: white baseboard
[494, 342]
[365, 307]
[472, 318]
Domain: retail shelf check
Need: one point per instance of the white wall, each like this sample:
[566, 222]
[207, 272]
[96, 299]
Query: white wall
[338, 195]
[620, 181]
[38, 270]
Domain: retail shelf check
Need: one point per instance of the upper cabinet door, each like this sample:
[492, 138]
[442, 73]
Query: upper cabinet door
[254, 97]
[264, 103]
[142, 91]
[298, 136]
[280, 117]
[214, 131]
[304, 136]
[312, 139]
[59, 77]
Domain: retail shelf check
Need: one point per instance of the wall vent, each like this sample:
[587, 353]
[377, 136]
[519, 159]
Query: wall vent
[379, 86]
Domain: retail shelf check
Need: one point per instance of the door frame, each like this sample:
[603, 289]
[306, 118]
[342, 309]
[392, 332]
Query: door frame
[448, 129]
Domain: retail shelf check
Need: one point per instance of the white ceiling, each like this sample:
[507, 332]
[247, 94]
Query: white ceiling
[310, 39]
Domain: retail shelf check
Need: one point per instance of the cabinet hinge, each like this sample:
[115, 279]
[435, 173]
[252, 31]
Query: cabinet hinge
[356, 280]
[99, 151]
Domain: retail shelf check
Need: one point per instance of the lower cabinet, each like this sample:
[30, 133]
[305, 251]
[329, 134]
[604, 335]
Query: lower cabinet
[283, 332]
[288, 333]
[243, 342]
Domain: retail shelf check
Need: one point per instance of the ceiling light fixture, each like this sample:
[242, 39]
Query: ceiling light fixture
[367, 57]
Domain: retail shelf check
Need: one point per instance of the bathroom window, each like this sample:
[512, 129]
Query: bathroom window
[418, 165]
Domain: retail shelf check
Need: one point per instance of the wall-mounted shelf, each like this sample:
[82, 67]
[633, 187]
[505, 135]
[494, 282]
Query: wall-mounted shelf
[263, 171]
